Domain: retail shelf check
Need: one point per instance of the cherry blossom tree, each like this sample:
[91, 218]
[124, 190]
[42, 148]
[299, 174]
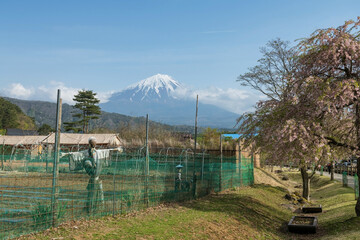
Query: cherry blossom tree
[317, 117]
[330, 74]
[275, 127]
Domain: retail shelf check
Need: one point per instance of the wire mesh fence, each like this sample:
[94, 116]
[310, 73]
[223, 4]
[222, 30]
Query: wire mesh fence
[29, 202]
[345, 179]
[356, 186]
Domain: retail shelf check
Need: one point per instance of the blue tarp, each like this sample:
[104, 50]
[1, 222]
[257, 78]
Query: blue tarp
[232, 135]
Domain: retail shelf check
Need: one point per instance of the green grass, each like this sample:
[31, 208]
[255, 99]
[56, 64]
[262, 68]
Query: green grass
[257, 212]
[338, 220]
[247, 213]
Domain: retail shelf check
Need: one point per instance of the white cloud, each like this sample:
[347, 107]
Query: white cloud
[234, 100]
[17, 90]
[47, 92]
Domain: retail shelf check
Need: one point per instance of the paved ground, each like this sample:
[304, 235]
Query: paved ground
[338, 177]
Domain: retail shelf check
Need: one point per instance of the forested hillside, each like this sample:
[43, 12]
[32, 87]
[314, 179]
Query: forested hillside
[11, 116]
[45, 113]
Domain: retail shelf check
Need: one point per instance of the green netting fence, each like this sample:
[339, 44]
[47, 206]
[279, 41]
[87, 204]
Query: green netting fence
[356, 186]
[29, 203]
[321, 170]
[345, 179]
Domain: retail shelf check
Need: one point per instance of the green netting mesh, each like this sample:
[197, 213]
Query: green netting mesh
[29, 203]
[356, 186]
[344, 179]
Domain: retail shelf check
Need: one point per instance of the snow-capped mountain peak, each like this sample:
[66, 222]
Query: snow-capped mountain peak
[158, 97]
[158, 85]
[155, 83]
[157, 88]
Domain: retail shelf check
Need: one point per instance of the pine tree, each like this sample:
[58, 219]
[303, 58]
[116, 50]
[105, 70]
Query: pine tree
[45, 129]
[87, 104]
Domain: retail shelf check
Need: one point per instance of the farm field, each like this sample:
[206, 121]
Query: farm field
[26, 192]
[258, 212]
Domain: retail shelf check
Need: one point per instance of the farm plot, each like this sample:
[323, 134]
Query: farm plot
[27, 195]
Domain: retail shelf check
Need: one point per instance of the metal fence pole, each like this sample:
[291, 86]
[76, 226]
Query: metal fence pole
[240, 165]
[2, 159]
[356, 186]
[344, 179]
[196, 118]
[54, 194]
[194, 165]
[221, 162]
[252, 169]
[202, 166]
[114, 186]
[147, 163]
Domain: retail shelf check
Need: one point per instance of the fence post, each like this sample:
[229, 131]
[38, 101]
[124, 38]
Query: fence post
[344, 179]
[2, 159]
[202, 167]
[221, 161]
[252, 169]
[54, 194]
[321, 170]
[147, 163]
[194, 165]
[240, 164]
[356, 186]
[114, 187]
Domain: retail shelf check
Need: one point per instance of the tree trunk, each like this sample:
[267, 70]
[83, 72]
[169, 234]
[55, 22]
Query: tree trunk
[357, 207]
[306, 183]
[357, 126]
[332, 168]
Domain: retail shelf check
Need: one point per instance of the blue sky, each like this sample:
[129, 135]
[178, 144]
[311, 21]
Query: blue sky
[108, 45]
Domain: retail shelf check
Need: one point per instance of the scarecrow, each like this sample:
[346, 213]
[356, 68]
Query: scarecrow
[92, 165]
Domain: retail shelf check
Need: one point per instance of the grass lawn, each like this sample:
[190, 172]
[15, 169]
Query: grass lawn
[258, 212]
[338, 220]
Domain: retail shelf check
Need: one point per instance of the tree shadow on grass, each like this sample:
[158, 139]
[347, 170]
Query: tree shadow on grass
[257, 214]
[342, 227]
[272, 177]
[245, 209]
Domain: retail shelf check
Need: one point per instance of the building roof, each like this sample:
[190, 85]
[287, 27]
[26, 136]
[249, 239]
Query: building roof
[21, 140]
[20, 132]
[65, 139]
[82, 139]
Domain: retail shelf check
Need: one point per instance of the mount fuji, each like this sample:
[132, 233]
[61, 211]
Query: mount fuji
[156, 96]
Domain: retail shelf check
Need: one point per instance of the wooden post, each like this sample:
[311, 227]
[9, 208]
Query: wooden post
[55, 192]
